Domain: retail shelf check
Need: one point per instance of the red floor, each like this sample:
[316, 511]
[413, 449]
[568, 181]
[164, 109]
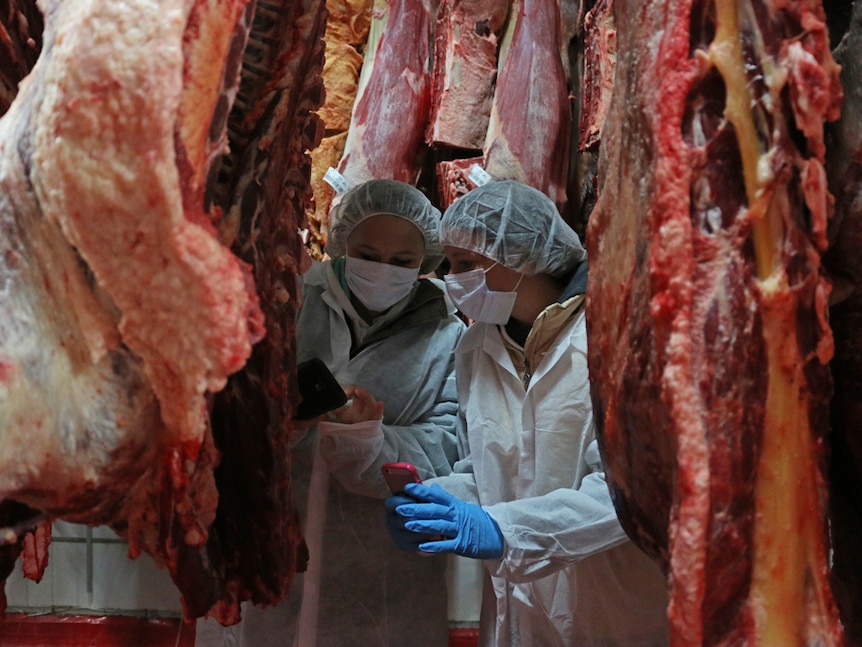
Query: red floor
[19, 630]
[463, 637]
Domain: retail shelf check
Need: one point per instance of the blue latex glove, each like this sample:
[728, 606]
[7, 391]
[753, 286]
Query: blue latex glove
[403, 538]
[466, 529]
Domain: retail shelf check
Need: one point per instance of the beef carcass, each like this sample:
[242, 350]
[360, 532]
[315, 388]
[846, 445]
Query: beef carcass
[385, 139]
[104, 233]
[706, 312]
[347, 27]
[103, 394]
[466, 40]
[531, 115]
[256, 544]
[844, 264]
[122, 311]
[600, 59]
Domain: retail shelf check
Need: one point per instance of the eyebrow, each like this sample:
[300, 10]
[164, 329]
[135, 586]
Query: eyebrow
[371, 248]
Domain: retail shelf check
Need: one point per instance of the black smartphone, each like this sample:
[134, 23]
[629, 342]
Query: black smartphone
[318, 388]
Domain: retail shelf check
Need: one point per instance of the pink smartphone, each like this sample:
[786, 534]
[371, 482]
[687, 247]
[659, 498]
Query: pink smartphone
[397, 475]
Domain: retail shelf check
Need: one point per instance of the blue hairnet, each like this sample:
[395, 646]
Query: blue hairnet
[515, 225]
[390, 197]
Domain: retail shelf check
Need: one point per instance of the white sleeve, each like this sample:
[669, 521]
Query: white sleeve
[546, 533]
[459, 483]
[354, 453]
[462, 481]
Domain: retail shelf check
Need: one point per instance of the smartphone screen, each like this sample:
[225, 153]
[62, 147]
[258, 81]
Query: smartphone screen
[319, 390]
[397, 475]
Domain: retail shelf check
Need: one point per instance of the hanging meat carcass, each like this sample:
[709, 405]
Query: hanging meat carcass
[393, 99]
[531, 118]
[103, 384]
[347, 30]
[709, 343]
[528, 132]
[122, 311]
[103, 240]
[256, 544]
[466, 40]
[600, 59]
[844, 264]
[598, 64]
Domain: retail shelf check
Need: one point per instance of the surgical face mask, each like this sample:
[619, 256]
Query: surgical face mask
[470, 293]
[378, 286]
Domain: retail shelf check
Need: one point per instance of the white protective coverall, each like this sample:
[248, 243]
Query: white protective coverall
[359, 589]
[569, 576]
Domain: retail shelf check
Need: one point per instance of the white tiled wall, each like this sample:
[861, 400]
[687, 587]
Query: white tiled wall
[89, 570]
[464, 579]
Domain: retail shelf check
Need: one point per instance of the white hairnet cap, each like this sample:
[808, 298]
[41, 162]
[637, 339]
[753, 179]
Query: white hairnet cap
[514, 224]
[390, 197]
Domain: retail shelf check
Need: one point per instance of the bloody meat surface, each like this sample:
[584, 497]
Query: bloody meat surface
[706, 309]
[124, 308]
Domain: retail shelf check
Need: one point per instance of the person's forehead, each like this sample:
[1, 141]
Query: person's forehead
[386, 225]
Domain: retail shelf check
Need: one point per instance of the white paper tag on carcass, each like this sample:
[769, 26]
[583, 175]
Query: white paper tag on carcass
[479, 176]
[336, 180]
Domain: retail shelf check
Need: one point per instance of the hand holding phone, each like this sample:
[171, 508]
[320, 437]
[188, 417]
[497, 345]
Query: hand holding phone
[398, 475]
[319, 390]
[362, 406]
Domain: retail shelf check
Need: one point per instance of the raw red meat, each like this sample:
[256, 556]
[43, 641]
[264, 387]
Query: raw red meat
[20, 525]
[465, 69]
[385, 140]
[531, 89]
[453, 178]
[103, 249]
[133, 207]
[256, 544]
[709, 343]
[844, 264]
[122, 311]
[531, 117]
[600, 58]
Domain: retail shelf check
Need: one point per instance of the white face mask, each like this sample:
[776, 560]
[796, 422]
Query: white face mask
[470, 293]
[378, 286]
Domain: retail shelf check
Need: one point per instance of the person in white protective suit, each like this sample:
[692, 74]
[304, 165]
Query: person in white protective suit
[388, 336]
[529, 496]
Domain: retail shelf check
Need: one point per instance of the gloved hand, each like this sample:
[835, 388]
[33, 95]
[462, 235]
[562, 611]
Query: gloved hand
[403, 538]
[466, 529]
